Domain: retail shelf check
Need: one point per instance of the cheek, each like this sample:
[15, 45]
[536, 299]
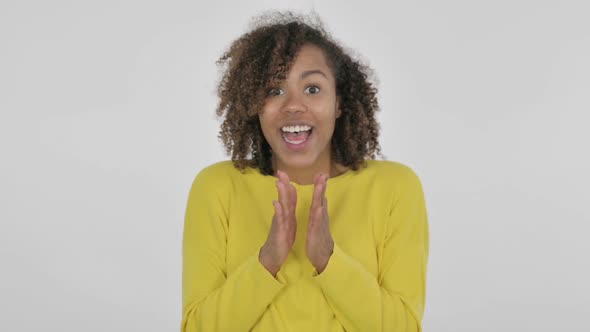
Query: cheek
[271, 105]
[327, 118]
[266, 123]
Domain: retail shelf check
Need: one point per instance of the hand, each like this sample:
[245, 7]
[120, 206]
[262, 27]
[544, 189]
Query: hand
[319, 245]
[282, 232]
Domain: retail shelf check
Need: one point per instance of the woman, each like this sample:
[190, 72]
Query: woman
[302, 230]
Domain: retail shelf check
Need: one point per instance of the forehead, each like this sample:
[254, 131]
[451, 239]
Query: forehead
[310, 57]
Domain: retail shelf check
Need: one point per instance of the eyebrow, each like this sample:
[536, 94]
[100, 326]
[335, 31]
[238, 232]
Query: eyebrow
[310, 72]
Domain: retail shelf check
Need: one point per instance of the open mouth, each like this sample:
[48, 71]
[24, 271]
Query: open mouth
[296, 135]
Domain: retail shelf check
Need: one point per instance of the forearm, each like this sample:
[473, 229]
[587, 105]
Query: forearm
[243, 296]
[359, 302]
[352, 292]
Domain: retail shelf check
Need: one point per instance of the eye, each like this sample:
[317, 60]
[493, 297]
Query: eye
[276, 92]
[312, 89]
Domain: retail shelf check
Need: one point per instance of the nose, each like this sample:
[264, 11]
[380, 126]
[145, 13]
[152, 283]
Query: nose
[294, 103]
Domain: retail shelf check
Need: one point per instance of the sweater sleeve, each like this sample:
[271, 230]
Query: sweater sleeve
[395, 300]
[212, 300]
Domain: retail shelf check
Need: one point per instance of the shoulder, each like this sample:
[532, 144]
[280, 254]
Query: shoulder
[216, 177]
[218, 169]
[394, 175]
[391, 169]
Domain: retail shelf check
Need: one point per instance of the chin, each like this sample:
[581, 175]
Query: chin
[297, 161]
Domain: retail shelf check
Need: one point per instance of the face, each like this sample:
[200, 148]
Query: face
[298, 117]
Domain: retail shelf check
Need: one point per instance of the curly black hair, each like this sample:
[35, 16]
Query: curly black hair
[260, 59]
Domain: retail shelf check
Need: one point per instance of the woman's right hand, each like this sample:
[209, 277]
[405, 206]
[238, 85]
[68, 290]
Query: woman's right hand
[282, 232]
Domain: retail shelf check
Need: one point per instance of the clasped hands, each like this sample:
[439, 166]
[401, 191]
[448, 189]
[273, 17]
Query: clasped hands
[319, 245]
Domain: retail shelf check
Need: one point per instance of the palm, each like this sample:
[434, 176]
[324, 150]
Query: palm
[319, 245]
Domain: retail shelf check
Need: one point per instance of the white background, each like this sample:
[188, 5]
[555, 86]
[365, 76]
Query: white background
[107, 114]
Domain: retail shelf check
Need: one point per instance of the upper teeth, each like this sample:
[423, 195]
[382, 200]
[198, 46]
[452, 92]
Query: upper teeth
[293, 129]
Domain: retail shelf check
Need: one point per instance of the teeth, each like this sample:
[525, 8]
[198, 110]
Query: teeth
[293, 129]
[294, 142]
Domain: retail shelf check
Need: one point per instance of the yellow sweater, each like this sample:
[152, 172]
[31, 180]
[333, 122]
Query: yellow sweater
[375, 279]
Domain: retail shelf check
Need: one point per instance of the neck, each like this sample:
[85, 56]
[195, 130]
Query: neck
[306, 175]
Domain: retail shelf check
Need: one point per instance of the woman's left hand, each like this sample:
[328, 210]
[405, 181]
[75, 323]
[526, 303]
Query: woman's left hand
[319, 245]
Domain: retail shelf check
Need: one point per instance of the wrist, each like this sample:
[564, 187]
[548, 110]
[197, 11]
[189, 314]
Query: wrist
[266, 262]
[322, 265]
[325, 258]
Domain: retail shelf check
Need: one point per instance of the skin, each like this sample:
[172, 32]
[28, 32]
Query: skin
[308, 94]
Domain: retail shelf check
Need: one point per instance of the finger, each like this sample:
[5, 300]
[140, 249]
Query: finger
[315, 217]
[293, 207]
[293, 196]
[283, 199]
[278, 211]
[316, 177]
[291, 192]
[289, 186]
[314, 197]
[280, 176]
[325, 185]
[284, 179]
[317, 191]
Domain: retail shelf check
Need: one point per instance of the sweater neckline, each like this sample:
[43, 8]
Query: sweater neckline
[331, 181]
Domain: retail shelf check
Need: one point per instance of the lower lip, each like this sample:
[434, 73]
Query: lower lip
[300, 146]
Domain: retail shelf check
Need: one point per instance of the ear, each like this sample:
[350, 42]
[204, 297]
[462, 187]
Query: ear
[338, 110]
